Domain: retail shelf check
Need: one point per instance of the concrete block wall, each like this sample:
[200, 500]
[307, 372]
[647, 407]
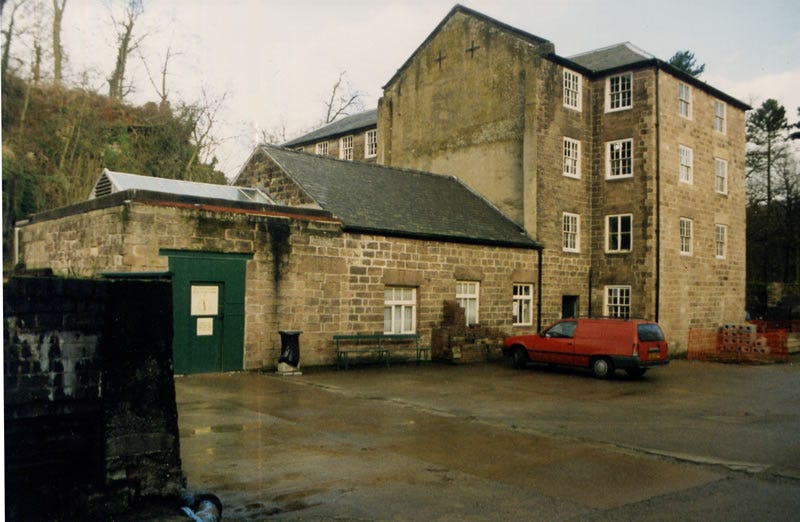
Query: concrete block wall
[90, 414]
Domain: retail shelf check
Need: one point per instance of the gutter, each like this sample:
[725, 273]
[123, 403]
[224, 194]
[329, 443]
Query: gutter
[539, 290]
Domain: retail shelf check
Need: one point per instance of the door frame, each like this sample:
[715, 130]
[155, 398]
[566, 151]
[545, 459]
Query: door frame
[227, 270]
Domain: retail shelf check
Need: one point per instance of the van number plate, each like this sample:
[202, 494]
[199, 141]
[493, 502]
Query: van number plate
[654, 355]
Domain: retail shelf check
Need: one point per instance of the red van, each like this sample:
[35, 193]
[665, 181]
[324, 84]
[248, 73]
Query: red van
[604, 345]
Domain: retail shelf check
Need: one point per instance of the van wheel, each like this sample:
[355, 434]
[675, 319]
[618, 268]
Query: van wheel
[602, 368]
[635, 373]
[520, 358]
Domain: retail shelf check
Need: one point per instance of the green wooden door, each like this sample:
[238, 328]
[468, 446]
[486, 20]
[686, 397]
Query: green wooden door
[208, 310]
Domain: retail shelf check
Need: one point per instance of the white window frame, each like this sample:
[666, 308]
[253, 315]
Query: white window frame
[619, 92]
[720, 176]
[686, 233]
[400, 310]
[685, 169]
[573, 83]
[615, 153]
[346, 148]
[617, 301]
[720, 116]
[321, 148]
[522, 304]
[570, 232]
[615, 221]
[572, 158]
[371, 143]
[720, 241]
[685, 100]
[468, 296]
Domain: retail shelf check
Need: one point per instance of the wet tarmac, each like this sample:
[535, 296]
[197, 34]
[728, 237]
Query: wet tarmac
[487, 442]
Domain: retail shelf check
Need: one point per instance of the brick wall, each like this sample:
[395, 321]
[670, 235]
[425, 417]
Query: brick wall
[90, 415]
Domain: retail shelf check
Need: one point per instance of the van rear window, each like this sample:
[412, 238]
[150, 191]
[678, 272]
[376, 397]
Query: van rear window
[650, 332]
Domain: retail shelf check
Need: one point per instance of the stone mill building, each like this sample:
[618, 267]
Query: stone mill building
[525, 185]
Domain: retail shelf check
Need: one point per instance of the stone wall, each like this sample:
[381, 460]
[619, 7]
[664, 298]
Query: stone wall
[90, 415]
[701, 290]
[462, 112]
[320, 279]
[482, 102]
[359, 147]
[264, 174]
[548, 122]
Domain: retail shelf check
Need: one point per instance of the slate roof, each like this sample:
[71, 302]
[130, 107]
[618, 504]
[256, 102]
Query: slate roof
[619, 55]
[362, 120]
[372, 198]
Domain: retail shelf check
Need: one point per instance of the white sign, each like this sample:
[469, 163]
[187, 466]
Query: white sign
[205, 326]
[205, 299]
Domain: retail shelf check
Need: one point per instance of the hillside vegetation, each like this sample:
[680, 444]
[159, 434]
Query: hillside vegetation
[57, 141]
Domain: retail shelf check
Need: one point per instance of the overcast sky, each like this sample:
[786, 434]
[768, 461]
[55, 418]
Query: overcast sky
[276, 60]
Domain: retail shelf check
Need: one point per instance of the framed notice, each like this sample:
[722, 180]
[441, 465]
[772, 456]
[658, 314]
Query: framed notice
[205, 299]
[205, 326]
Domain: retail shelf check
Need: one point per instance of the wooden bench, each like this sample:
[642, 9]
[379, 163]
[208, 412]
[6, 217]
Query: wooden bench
[379, 344]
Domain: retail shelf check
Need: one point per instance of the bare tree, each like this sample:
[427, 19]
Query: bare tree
[343, 100]
[275, 135]
[8, 35]
[161, 90]
[125, 45]
[203, 116]
[58, 49]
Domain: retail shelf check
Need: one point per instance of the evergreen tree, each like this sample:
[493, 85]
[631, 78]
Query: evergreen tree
[685, 61]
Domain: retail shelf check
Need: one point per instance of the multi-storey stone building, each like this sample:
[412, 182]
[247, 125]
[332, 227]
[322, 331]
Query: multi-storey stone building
[608, 183]
[629, 171]
[354, 138]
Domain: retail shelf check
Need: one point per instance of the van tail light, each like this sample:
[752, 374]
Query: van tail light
[636, 349]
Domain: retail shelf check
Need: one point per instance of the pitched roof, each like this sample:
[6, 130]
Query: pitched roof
[526, 37]
[372, 198]
[626, 55]
[611, 57]
[362, 120]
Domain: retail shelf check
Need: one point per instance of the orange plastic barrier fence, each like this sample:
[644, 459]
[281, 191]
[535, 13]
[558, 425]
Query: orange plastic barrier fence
[738, 344]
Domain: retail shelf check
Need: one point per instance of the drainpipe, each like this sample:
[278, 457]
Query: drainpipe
[590, 293]
[17, 246]
[539, 293]
[658, 199]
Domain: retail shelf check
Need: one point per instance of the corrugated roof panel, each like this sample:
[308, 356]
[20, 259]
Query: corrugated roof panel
[110, 182]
